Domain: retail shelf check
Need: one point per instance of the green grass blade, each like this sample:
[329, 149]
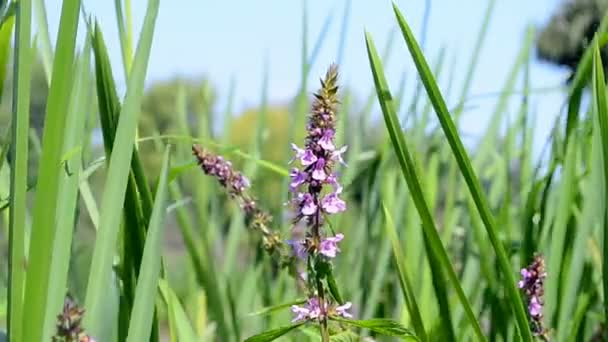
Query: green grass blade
[19, 172]
[6, 33]
[409, 173]
[143, 309]
[601, 107]
[467, 170]
[48, 193]
[69, 183]
[44, 38]
[178, 321]
[125, 34]
[404, 279]
[118, 174]
[566, 197]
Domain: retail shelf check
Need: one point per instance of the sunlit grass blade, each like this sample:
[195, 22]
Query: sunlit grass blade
[467, 171]
[118, 174]
[555, 259]
[601, 108]
[48, 193]
[580, 80]
[404, 280]
[181, 329]
[43, 37]
[19, 149]
[409, 173]
[67, 208]
[6, 34]
[125, 33]
[140, 325]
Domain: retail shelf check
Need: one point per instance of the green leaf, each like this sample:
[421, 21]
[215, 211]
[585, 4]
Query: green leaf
[469, 174]
[67, 208]
[273, 334]
[271, 309]
[181, 329]
[436, 250]
[382, 326]
[601, 106]
[404, 280]
[143, 309]
[118, 174]
[19, 172]
[48, 192]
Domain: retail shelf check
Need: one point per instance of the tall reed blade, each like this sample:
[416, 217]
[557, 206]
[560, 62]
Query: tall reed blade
[19, 134]
[48, 193]
[409, 173]
[601, 107]
[118, 174]
[467, 171]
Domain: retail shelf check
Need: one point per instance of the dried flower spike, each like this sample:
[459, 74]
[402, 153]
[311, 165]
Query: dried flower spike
[69, 324]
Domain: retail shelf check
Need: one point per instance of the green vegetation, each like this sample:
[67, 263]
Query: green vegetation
[441, 241]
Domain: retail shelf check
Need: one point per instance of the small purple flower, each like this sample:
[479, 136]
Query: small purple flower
[308, 204]
[535, 307]
[326, 140]
[337, 154]
[341, 310]
[319, 172]
[525, 277]
[306, 156]
[299, 249]
[532, 285]
[297, 178]
[310, 310]
[333, 204]
[329, 246]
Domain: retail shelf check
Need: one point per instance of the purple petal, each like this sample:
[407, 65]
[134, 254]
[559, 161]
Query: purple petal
[297, 178]
[299, 250]
[333, 204]
[535, 308]
[329, 246]
[326, 140]
[308, 158]
[301, 313]
[308, 205]
[319, 171]
[299, 152]
[337, 155]
[341, 310]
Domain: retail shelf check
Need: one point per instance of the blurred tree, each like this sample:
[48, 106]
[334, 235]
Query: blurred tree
[564, 38]
[160, 105]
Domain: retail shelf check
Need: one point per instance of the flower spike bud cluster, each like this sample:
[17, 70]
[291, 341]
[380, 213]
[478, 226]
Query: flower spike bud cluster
[69, 324]
[316, 193]
[532, 284]
[236, 185]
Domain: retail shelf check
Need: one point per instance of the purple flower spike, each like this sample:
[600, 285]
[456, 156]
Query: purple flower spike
[329, 246]
[308, 205]
[341, 310]
[326, 140]
[333, 204]
[297, 178]
[319, 171]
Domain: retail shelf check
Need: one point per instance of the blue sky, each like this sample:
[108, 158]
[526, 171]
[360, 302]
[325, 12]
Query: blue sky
[234, 39]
